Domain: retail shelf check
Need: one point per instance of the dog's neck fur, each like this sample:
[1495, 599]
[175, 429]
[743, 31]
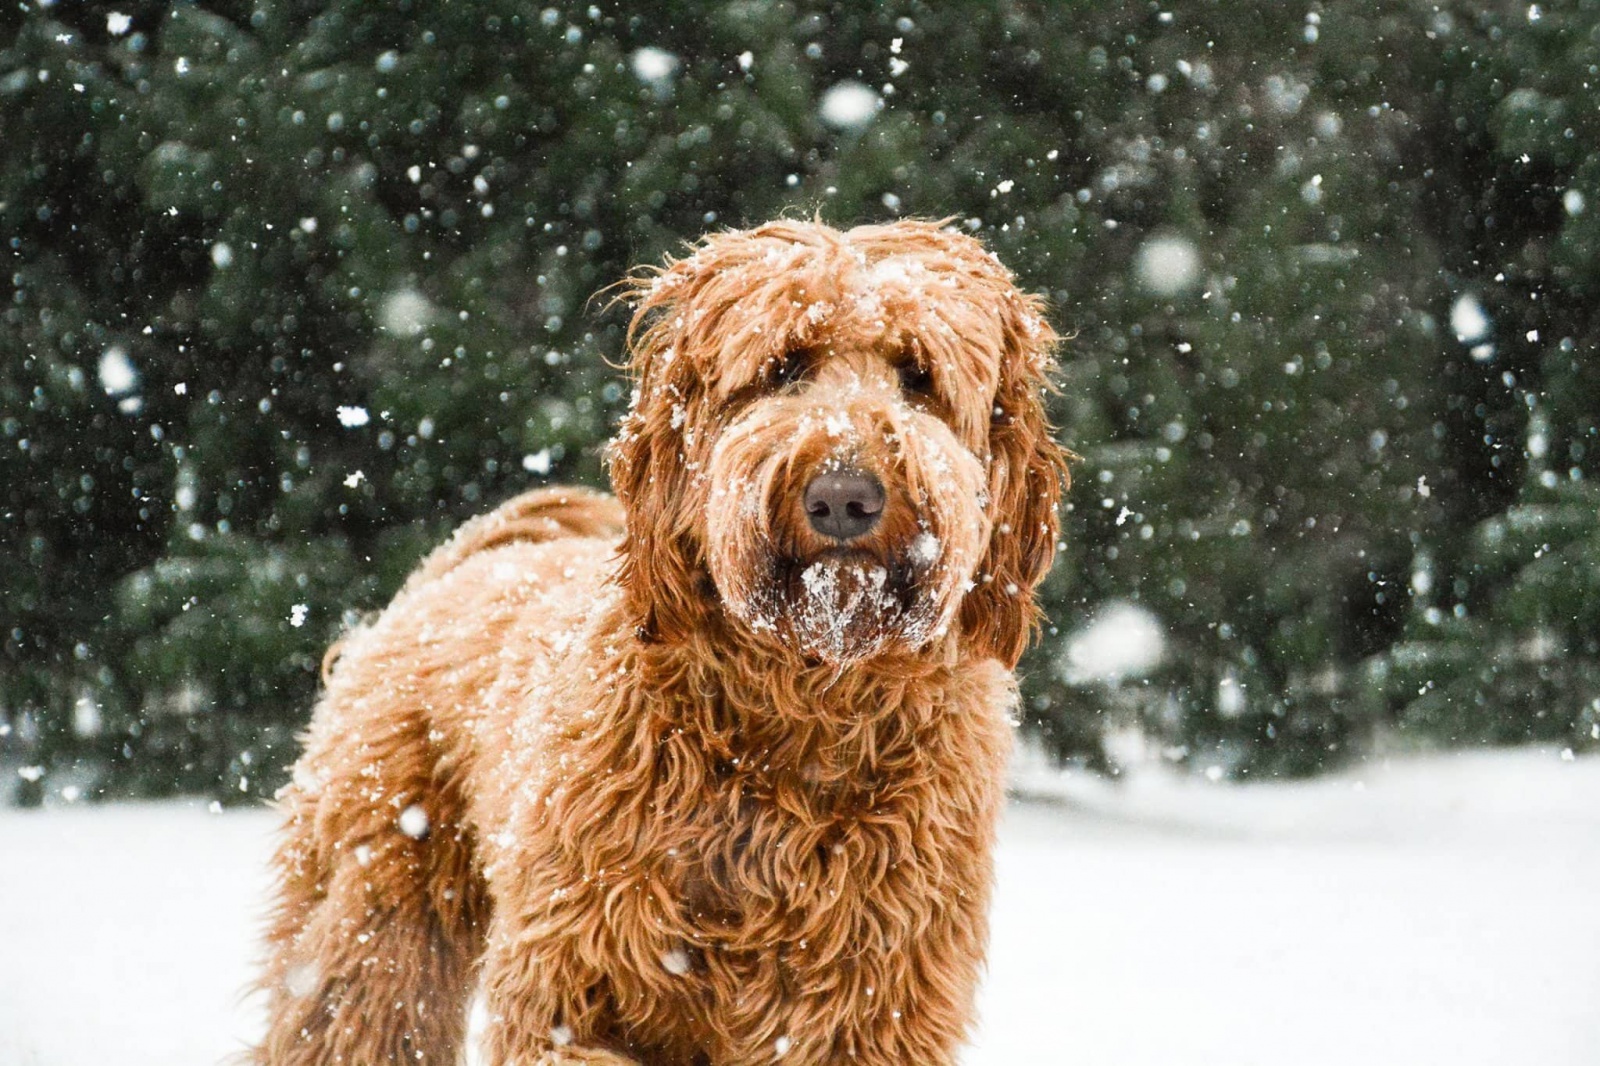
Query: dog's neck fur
[862, 721]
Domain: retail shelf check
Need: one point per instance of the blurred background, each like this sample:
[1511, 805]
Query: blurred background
[293, 287]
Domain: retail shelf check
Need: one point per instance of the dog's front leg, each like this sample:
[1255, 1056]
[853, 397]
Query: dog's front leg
[549, 1002]
[511, 1045]
[510, 1041]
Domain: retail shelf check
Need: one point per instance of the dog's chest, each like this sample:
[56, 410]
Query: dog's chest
[709, 875]
[767, 860]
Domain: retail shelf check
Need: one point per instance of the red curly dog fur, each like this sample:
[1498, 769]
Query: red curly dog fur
[692, 778]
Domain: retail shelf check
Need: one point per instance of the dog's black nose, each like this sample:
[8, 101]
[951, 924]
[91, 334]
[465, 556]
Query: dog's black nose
[844, 504]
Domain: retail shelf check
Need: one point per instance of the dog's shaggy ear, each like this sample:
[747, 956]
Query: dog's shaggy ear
[650, 465]
[1028, 472]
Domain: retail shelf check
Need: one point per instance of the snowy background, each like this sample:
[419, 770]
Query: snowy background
[1428, 910]
[296, 287]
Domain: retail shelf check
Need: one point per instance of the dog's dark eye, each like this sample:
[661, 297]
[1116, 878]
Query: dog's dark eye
[915, 380]
[786, 370]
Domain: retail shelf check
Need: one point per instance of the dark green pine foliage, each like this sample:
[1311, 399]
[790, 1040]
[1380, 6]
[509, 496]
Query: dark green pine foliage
[295, 287]
[1503, 638]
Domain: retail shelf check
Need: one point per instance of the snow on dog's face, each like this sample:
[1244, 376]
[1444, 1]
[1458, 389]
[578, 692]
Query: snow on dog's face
[843, 514]
[843, 433]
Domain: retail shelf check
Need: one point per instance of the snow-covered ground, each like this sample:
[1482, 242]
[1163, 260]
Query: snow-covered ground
[1442, 910]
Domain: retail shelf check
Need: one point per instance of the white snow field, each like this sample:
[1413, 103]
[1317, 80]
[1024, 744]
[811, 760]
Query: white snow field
[1438, 910]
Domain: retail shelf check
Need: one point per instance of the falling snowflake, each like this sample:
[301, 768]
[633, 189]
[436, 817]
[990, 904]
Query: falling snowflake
[413, 822]
[1168, 265]
[1468, 319]
[654, 65]
[117, 372]
[850, 105]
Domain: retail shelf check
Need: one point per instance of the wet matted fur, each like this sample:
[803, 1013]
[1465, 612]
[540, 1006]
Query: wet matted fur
[676, 778]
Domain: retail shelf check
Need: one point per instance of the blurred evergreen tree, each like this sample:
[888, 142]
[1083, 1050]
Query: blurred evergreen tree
[296, 286]
[1502, 640]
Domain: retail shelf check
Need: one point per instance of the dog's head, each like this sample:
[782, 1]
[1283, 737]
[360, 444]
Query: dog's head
[843, 433]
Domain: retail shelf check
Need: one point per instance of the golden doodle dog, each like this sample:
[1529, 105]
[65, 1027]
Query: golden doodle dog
[709, 773]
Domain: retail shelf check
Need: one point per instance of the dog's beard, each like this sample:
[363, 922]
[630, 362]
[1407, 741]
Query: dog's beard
[845, 605]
